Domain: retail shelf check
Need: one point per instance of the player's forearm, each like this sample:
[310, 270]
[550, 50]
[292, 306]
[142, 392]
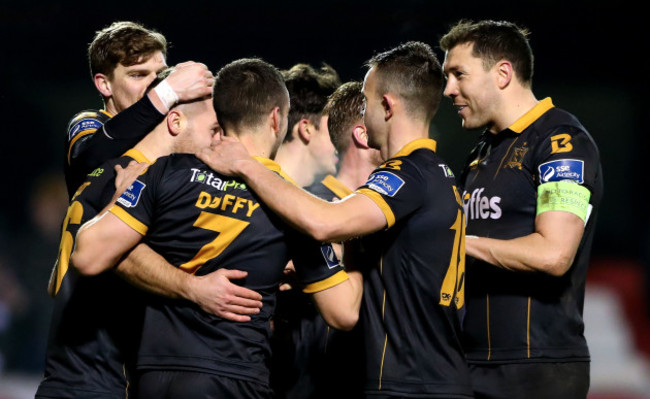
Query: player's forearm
[339, 305]
[307, 213]
[149, 271]
[532, 253]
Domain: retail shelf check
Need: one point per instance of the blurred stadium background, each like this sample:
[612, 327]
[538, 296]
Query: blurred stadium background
[588, 59]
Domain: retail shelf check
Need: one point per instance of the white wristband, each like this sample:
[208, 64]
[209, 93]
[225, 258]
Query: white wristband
[166, 94]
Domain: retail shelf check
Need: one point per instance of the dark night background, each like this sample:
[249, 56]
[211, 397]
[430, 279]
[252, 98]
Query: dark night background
[588, 58]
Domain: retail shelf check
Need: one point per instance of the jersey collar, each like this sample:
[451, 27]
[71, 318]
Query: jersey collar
[335, 186]
[103, 111]
[275, 167]
[137, 156]
[429, 144]
[531, 116]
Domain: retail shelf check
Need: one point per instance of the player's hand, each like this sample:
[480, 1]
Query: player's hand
[225, 155]
[215, 294]
[126, 176]
[191, 80]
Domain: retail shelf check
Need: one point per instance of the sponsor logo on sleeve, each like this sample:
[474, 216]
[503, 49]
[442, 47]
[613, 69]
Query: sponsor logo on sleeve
[385, 183]
[82, 125]
[132, 194]
[562, 169]
[329, 255]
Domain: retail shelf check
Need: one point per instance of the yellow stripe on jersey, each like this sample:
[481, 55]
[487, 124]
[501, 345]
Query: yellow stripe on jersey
[275, 167]
[334, 185]
[416, 145]
[137, 156]
[379, 200]
[329, 282]
[132, 222]
[563, 196]
[531, 116]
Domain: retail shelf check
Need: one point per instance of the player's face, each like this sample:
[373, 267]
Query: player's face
[472, 89]
[322, 150]
[201, 127]
[373, 113]
[129, 83]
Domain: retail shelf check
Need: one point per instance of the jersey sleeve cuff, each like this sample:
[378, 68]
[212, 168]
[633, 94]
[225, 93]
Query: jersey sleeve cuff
[132, 222]
[381, 203]
[329, 282]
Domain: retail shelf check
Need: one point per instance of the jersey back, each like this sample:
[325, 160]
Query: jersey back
[201, 221]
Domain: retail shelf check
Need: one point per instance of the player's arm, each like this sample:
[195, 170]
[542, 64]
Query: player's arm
[214, 292]
[101, 242]
[187, 82]
[550, 249]
[339, 305]
[325, 221]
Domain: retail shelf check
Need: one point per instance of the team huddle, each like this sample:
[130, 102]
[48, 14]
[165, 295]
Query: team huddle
[266, 233]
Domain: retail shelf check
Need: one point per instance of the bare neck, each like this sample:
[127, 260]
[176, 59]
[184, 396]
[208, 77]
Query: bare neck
[514, 104]
[355, 167]
[295, 161]
[156, 144]
[401, 132]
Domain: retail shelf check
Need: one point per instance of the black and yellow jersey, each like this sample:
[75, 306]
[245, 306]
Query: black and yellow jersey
[329, 189]
[85, 150]
[201, 221]
[95, 322]
[524, 316]
[305, 348]
[414, 279]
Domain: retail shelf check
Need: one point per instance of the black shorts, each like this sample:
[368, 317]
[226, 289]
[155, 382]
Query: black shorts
[531, 380]
[194, 385]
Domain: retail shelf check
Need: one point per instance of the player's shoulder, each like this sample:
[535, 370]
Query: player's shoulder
[89, 119]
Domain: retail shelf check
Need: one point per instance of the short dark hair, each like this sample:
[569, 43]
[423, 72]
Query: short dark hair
[308, 90]
[345, 109]
[123, 42]
[494, 41]
[247, 89]
[412, 71]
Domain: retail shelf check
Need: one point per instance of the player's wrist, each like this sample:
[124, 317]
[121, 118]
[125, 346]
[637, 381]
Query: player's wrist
[168, 97]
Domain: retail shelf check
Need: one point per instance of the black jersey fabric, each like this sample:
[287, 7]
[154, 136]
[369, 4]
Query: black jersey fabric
[526, 317]
[413, 289]
[94, 137]
[305, 348]
[96, 320]
[201, 221]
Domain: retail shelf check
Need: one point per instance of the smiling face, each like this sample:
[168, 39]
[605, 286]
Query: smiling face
[472, 89]
[129, 83]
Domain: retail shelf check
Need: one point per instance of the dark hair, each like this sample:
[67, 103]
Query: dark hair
[494, 41]
[308, 90]
[124, 42]
[412, 71]
[345, 109]
[247, 89]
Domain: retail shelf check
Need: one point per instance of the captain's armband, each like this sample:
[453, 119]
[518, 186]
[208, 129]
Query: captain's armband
[563, 196]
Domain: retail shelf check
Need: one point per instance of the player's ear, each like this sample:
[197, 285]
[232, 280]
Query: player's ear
[275, 119]
[175, 122]
[360, 135]
[304, 130]
[504, 73]
[103, 85]
[389, 103]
